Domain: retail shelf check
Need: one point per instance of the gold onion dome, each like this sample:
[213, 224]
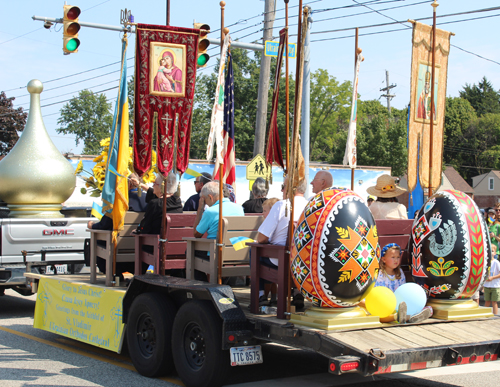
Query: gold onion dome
[35, 178]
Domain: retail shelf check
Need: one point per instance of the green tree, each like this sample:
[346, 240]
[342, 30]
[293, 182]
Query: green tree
[459, 114]
[483, 98]
[88, 117]
[330, 110]
[11, 121]
[382, 141]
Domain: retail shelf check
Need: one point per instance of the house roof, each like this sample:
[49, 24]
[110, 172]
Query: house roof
[457, 181]
[497, 173]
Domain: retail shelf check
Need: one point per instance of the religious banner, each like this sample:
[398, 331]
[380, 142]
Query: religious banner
[274, 152]
[165, 78]
[420, 110]
[350, 155]
[217, 122]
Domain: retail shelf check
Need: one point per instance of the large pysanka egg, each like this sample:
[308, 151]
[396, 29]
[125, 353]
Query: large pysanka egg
[335, 251]
[449, 246]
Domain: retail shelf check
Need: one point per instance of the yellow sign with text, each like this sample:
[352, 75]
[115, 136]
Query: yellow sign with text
[82, 312]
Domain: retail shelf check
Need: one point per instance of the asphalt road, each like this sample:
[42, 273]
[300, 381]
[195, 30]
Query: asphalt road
[30, 356]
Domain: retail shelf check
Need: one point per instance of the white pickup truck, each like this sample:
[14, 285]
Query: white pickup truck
[49, 245]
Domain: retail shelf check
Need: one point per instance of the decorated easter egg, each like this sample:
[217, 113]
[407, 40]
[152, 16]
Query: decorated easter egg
[335, 251]
[449, 246]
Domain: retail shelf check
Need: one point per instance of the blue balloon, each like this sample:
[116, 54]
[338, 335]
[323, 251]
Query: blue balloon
[413, 295]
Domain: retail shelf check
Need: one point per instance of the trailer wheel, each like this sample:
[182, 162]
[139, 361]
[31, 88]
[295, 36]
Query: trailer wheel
[197, 345]
[149, 334]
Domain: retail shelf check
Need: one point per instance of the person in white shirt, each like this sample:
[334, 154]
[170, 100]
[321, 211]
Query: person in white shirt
[274, 229]
[386, 206]
[492, 286]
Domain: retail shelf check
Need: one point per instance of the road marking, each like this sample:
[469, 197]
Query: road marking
[83, 353]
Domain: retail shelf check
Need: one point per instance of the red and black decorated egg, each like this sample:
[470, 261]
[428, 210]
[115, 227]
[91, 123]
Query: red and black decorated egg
[450, 246]
[335, 251]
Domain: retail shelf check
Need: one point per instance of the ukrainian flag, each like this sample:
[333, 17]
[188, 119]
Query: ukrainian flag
[240, 242]
[191, 174]
[96, 211]
[115, 191]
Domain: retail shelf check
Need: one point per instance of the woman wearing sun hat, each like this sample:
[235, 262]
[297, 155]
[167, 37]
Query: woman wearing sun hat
[386, 206]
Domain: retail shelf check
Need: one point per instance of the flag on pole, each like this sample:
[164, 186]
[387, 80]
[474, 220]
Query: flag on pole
[115, 190]
[229, 166]
[350, 155]
[217, 122]
[274, 153]
[96, 211]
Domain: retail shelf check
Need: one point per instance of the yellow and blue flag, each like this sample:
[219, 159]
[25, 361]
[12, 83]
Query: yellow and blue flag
[191, 174]
[96, 211]
[115, 190]
[240, 242]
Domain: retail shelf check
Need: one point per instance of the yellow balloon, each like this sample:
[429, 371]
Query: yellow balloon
[380, 302]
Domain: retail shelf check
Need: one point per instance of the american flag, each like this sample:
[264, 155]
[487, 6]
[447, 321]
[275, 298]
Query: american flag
[229, 167]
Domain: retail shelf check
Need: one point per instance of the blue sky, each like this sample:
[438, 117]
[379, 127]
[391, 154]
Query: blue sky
[29, 51]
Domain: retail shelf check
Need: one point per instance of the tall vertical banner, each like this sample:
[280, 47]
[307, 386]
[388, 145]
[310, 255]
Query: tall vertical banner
[165, 75]
[115, 190]
[421, 105]
[274, 152]
[216, 134]
[350, 155]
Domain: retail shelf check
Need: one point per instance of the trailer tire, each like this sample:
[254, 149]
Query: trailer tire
[149, 334]
[197, 345]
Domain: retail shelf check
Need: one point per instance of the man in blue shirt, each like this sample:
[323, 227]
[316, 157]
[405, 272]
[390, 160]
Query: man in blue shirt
[207, 221]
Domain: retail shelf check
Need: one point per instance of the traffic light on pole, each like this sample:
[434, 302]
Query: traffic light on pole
[203, 44]
[70, 29]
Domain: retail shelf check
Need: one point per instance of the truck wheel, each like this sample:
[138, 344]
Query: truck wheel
[149, 334]
[197, 345]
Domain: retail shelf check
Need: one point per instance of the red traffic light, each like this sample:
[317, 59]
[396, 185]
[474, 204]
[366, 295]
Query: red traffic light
[72, 12]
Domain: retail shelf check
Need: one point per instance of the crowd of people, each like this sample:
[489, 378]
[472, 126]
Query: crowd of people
[382, 201]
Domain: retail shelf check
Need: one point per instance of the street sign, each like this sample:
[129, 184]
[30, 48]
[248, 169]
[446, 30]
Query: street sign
[271, 49]
[258, 168]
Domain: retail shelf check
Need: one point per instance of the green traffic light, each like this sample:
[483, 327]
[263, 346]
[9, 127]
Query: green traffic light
[203, 59]
[72, 44]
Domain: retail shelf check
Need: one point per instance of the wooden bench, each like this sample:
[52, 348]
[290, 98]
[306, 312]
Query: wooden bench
[389, 231]
[235, 263]
[178, 227]
[101, 246]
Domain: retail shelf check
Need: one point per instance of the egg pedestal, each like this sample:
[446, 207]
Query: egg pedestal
[450, 255]
[334, 260]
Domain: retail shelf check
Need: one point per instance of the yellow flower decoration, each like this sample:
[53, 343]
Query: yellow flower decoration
[105, 142]
[79, 168]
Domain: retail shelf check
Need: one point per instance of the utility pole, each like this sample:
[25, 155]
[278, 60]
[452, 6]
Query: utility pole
[265, 71]
[387, 89]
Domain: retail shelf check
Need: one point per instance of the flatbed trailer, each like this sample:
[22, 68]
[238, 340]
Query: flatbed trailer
[201, 329]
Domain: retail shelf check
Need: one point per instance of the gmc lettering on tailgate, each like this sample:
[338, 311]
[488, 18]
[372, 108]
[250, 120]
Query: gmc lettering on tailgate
[54, 231]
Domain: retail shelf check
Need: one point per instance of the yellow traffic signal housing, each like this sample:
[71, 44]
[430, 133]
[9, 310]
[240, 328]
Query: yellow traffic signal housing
[203, 44]
[70, 29]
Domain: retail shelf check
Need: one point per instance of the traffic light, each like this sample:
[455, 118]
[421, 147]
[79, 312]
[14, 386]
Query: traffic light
[70, 29]
[203, 44]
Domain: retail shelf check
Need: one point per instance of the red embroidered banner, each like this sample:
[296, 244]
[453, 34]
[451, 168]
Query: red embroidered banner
[165, 76]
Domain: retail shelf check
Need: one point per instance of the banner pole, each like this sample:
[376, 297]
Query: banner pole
[287, 87]
[221, 165]
[433, 79]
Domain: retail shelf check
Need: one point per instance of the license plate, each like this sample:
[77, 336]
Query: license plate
[246, 355]
[61, 269]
